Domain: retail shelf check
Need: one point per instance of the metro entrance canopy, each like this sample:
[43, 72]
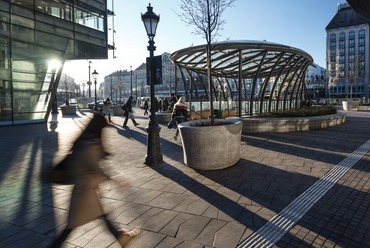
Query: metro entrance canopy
[272, 71]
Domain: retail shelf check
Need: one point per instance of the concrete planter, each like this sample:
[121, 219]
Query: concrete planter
[68, 110]
[163, 117]
[350, 105]
[211, 147]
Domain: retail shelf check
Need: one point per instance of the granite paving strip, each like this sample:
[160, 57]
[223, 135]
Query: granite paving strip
[280, 224]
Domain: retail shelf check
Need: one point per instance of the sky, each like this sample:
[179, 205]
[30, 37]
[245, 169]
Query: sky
[297, 23]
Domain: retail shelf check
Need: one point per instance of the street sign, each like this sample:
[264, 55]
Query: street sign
[157, 63]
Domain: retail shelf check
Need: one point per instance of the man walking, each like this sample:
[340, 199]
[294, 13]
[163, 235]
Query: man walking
[129, 113]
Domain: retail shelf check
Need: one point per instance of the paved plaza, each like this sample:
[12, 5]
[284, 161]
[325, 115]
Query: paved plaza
[301, 189]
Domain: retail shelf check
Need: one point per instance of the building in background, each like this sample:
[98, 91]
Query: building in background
[118, 84]
[316, 82]
[347, 53]
[36, 37]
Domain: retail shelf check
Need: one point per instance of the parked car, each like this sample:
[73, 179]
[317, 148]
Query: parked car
[73, 102]
[91, 105]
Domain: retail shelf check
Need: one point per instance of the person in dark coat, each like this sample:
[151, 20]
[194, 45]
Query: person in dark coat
[86, 175]
[129, 113]
[146, 106]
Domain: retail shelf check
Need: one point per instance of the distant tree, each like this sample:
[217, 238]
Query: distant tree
[205, 15]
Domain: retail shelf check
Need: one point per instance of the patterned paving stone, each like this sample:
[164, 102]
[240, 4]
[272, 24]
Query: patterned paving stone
[177, 206]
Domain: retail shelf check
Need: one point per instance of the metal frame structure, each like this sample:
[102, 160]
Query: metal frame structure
[281, 68]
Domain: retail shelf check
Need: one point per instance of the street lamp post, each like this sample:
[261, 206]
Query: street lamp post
[95, 76]
[111, 88]
[154, 156]
[89, 82]
[131, 80]
[83, 89]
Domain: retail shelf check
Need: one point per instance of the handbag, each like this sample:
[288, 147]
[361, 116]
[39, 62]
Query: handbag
[62, 173]
[124, 107]
[171, 124]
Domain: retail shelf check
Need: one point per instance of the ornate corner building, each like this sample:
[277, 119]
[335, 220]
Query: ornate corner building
[36, 37]
[347, 51]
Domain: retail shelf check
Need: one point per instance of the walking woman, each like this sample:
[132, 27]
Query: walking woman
[107, 106]
[86, 175]
[129, 114]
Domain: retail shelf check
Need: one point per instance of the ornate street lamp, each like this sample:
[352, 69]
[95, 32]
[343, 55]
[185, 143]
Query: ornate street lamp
[95, 76]
[89, 82]
[83, 89]
[154, 156]
[131, 81]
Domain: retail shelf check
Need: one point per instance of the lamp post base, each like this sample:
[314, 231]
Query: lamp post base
[154, 155]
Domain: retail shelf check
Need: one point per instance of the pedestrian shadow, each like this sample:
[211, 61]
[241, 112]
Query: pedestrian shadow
[26, 199]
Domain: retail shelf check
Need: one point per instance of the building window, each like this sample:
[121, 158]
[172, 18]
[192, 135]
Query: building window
[361, 65]
[342, 36]
[361, 33]
[332, 52]
[341, 89]
[361, 49]
[352, 34]
[351, 43]
[351, 50]
[333, 37]
[342, 66]
[342, 51]
[342, 58]
[351, 57]
[342, 43]
[89, 19]
[332, 59]
[333, 44]
[361, 41]
[55, 8]
[332, 66]
[361, 57]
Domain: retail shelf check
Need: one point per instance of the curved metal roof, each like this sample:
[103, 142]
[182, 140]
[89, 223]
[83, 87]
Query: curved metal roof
[226, 55]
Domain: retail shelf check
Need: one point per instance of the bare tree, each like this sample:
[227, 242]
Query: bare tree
[205, 15]
[352, 76]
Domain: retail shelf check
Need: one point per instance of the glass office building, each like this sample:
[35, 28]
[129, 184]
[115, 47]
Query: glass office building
[36, 37]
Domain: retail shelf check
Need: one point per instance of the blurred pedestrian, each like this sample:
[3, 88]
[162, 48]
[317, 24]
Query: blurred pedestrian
[160, 105]
[180, 114]
[173, 101]
[107, 106]
[146, 106]
[165, 104]
[129, 114]
[86, 175]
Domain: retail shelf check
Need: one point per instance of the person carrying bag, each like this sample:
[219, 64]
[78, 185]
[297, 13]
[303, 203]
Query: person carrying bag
[180, 114]
[127, 107]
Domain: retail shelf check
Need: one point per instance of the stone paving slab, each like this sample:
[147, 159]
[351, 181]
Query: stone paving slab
[176, 206]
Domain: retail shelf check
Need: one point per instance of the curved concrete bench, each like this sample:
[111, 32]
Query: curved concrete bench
[294, 124]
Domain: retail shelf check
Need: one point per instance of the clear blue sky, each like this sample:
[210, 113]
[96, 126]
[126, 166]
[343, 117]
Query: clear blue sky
[297, 23]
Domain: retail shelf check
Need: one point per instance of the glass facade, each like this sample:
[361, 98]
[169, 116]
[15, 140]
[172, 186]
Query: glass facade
[36, 37]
